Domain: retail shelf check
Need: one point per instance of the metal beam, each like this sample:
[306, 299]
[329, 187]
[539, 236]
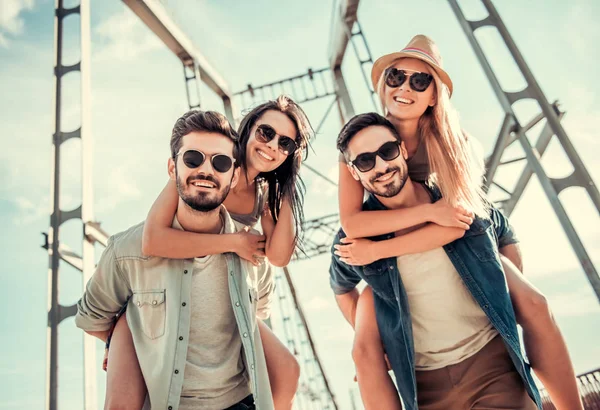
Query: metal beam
[344, 17]
[154, 15]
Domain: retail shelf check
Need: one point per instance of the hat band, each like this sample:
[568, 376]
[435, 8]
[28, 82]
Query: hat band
[420, 52]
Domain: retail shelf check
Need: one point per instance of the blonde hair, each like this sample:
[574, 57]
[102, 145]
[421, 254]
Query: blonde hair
[452, 165]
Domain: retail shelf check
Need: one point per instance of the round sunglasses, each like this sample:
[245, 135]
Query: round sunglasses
[418, 81]
[366, 161]
[265, 134]
[194, 159]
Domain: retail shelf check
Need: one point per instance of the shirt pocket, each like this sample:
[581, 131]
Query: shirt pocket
[152, 311]
[479, 240]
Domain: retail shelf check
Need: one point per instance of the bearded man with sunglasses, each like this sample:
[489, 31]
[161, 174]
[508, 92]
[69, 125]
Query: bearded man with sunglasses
[443, 316]
[193, 322]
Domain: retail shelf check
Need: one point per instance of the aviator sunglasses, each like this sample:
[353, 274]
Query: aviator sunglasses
[220, 162]
[366, 161]
[265, 134]
[418, 81]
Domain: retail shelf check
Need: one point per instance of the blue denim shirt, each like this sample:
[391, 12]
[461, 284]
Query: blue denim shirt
[475, 257]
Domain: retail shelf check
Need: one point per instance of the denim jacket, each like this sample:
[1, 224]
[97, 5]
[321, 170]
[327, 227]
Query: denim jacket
[475, 257]
[158, 291]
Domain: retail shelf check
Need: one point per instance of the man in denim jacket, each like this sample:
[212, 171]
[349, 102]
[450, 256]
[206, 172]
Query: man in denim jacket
[457, 347]
[193, 321]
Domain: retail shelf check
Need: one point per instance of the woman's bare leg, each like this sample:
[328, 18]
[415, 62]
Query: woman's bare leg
[125, 386]
[544, 343]
[283, 368]
[374, 382]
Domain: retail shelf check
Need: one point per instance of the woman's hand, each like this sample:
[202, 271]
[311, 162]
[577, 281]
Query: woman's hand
[249, 246]
[445, 214]
[356, 252]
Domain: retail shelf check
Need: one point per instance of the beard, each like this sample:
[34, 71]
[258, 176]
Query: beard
[393, 186]
[202, 201]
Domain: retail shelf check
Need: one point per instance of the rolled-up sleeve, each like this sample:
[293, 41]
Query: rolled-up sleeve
[504, 230]
[266, 290]
[106, 293]
[342, 278]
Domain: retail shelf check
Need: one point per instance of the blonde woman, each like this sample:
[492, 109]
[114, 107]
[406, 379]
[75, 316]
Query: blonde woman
[415, 95]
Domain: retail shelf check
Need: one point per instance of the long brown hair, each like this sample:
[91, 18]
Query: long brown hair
[452, 164]
[284, 181]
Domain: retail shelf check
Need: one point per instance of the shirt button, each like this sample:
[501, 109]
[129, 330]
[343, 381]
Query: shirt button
[176, 371]
[170, 408]
[485, 306]
[185, 271]
[183, 304]
[154, 302]
[180, 337]
[237, 303]
[252, 366]
[139, 303]
[391, 268]
[245, 334]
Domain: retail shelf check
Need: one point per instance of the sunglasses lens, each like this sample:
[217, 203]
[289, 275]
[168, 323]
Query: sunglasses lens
[221, 163]
[193, 159]
[389, 151]
[420, 81]
[394, 77]
[265, 133]
[287, 145]
[365, 162]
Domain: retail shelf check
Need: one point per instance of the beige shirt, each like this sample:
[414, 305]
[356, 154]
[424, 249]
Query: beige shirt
[448, 324]
[159, 314]
[215, 375]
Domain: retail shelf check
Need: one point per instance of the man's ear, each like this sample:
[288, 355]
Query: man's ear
[403, 150]
[353, 172]
[171, 169]
[235, 177]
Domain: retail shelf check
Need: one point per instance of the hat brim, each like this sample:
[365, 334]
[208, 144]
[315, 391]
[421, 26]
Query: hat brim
[385, 61]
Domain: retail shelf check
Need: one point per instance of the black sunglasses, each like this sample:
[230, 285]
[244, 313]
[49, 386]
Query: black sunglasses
[366, 161]
[418, 81]
[265, 133]
[220, 162]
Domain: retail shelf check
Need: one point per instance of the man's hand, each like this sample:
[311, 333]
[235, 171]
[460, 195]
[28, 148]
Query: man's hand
[249, 246]
[445, 214]
[356, 252]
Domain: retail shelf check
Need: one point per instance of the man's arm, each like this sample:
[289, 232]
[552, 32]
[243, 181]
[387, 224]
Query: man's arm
[343, 280]
[508, 244]
[513, 253]
[106, 293]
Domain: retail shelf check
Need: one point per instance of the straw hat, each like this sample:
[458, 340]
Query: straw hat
[420, 47]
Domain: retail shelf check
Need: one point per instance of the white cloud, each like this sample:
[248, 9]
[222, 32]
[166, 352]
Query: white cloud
[118, 186]
[580, 26]
[124, 38]
[10, 18]
[29, 211]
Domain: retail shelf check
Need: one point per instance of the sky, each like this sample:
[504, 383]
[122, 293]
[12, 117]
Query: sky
[138, 93]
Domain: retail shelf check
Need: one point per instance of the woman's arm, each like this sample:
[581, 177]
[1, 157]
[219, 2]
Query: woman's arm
[160, 239]
[280, 236]
[358, 223]
[360, 252]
